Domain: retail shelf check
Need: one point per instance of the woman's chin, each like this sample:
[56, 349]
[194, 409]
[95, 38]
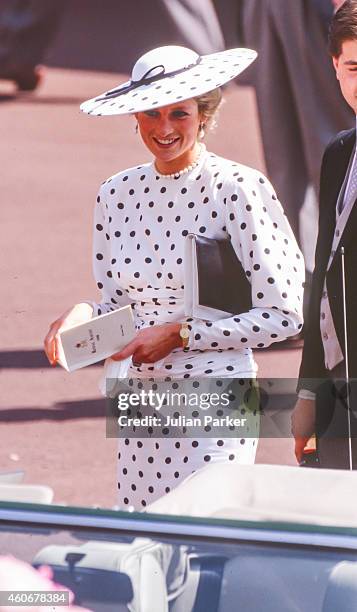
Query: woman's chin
[167, 153]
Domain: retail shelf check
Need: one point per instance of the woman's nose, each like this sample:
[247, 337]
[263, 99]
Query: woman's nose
[164, 126]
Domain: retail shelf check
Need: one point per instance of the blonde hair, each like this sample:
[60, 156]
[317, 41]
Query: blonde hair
[208, 105]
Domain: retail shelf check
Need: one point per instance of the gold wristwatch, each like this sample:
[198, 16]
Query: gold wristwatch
[184, 334]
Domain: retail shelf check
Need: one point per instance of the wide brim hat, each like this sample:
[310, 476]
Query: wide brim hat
[168, 75]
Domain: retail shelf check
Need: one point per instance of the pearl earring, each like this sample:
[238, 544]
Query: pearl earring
[201, 133]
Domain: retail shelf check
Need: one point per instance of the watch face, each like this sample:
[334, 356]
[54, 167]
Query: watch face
[184, 333]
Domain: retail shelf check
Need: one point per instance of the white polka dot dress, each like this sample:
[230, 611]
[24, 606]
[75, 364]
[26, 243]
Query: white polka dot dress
[141, 220]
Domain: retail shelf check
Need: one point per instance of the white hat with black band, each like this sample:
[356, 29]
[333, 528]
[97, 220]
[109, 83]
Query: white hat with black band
[167, 75]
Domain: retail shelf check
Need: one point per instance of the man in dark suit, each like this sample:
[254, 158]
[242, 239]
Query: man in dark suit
[330, 350]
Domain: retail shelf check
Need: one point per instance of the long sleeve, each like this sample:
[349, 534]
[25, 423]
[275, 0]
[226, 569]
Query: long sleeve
[113, 296]
[264, 243]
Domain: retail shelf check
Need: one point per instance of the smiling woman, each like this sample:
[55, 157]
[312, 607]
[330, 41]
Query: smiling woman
[170, 133]
[142, 218]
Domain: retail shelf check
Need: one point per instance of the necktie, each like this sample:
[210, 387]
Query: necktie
[351, 191]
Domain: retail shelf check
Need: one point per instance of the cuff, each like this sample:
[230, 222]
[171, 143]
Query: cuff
[306, 394]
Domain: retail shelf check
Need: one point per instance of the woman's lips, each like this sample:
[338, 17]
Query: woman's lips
[165, 142]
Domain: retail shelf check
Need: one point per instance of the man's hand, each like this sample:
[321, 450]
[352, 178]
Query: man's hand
[302, 424]
[152, 344]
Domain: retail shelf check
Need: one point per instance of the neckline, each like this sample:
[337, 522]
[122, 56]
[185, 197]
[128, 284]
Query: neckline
[174, 176]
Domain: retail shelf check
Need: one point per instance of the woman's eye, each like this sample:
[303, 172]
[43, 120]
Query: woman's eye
[178, 114]
[151, 113]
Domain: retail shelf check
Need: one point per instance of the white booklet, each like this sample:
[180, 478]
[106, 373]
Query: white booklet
[96, 339]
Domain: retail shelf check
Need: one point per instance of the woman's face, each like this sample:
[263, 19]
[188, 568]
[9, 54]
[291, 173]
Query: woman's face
[170, 133]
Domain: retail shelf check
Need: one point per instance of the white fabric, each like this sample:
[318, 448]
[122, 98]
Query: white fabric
[150, 467]
[141, 219]
[341, 221]
[306, 394]
[332, 350]
[173, 57]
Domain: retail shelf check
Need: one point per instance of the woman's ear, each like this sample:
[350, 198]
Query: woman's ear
[202, 118]
[201, 130]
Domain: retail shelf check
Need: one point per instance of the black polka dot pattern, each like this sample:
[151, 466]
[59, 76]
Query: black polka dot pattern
[139, 259]
[213, 71]
[151, 467]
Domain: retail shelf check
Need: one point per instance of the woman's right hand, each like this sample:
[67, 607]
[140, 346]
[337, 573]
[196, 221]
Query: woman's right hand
[80, 313]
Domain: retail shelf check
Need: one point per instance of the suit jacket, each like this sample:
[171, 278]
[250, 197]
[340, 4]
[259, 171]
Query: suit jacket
[334, 167]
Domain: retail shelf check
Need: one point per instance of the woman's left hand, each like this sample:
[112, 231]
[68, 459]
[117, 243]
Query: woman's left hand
[152, 344]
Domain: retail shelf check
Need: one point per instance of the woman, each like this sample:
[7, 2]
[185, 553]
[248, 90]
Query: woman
[142, 216]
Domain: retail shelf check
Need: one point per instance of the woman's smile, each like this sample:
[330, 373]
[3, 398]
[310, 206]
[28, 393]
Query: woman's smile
[166, 142]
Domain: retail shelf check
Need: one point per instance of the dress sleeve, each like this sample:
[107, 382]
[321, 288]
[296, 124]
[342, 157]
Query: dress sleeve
[264, 243]
[113, 296]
